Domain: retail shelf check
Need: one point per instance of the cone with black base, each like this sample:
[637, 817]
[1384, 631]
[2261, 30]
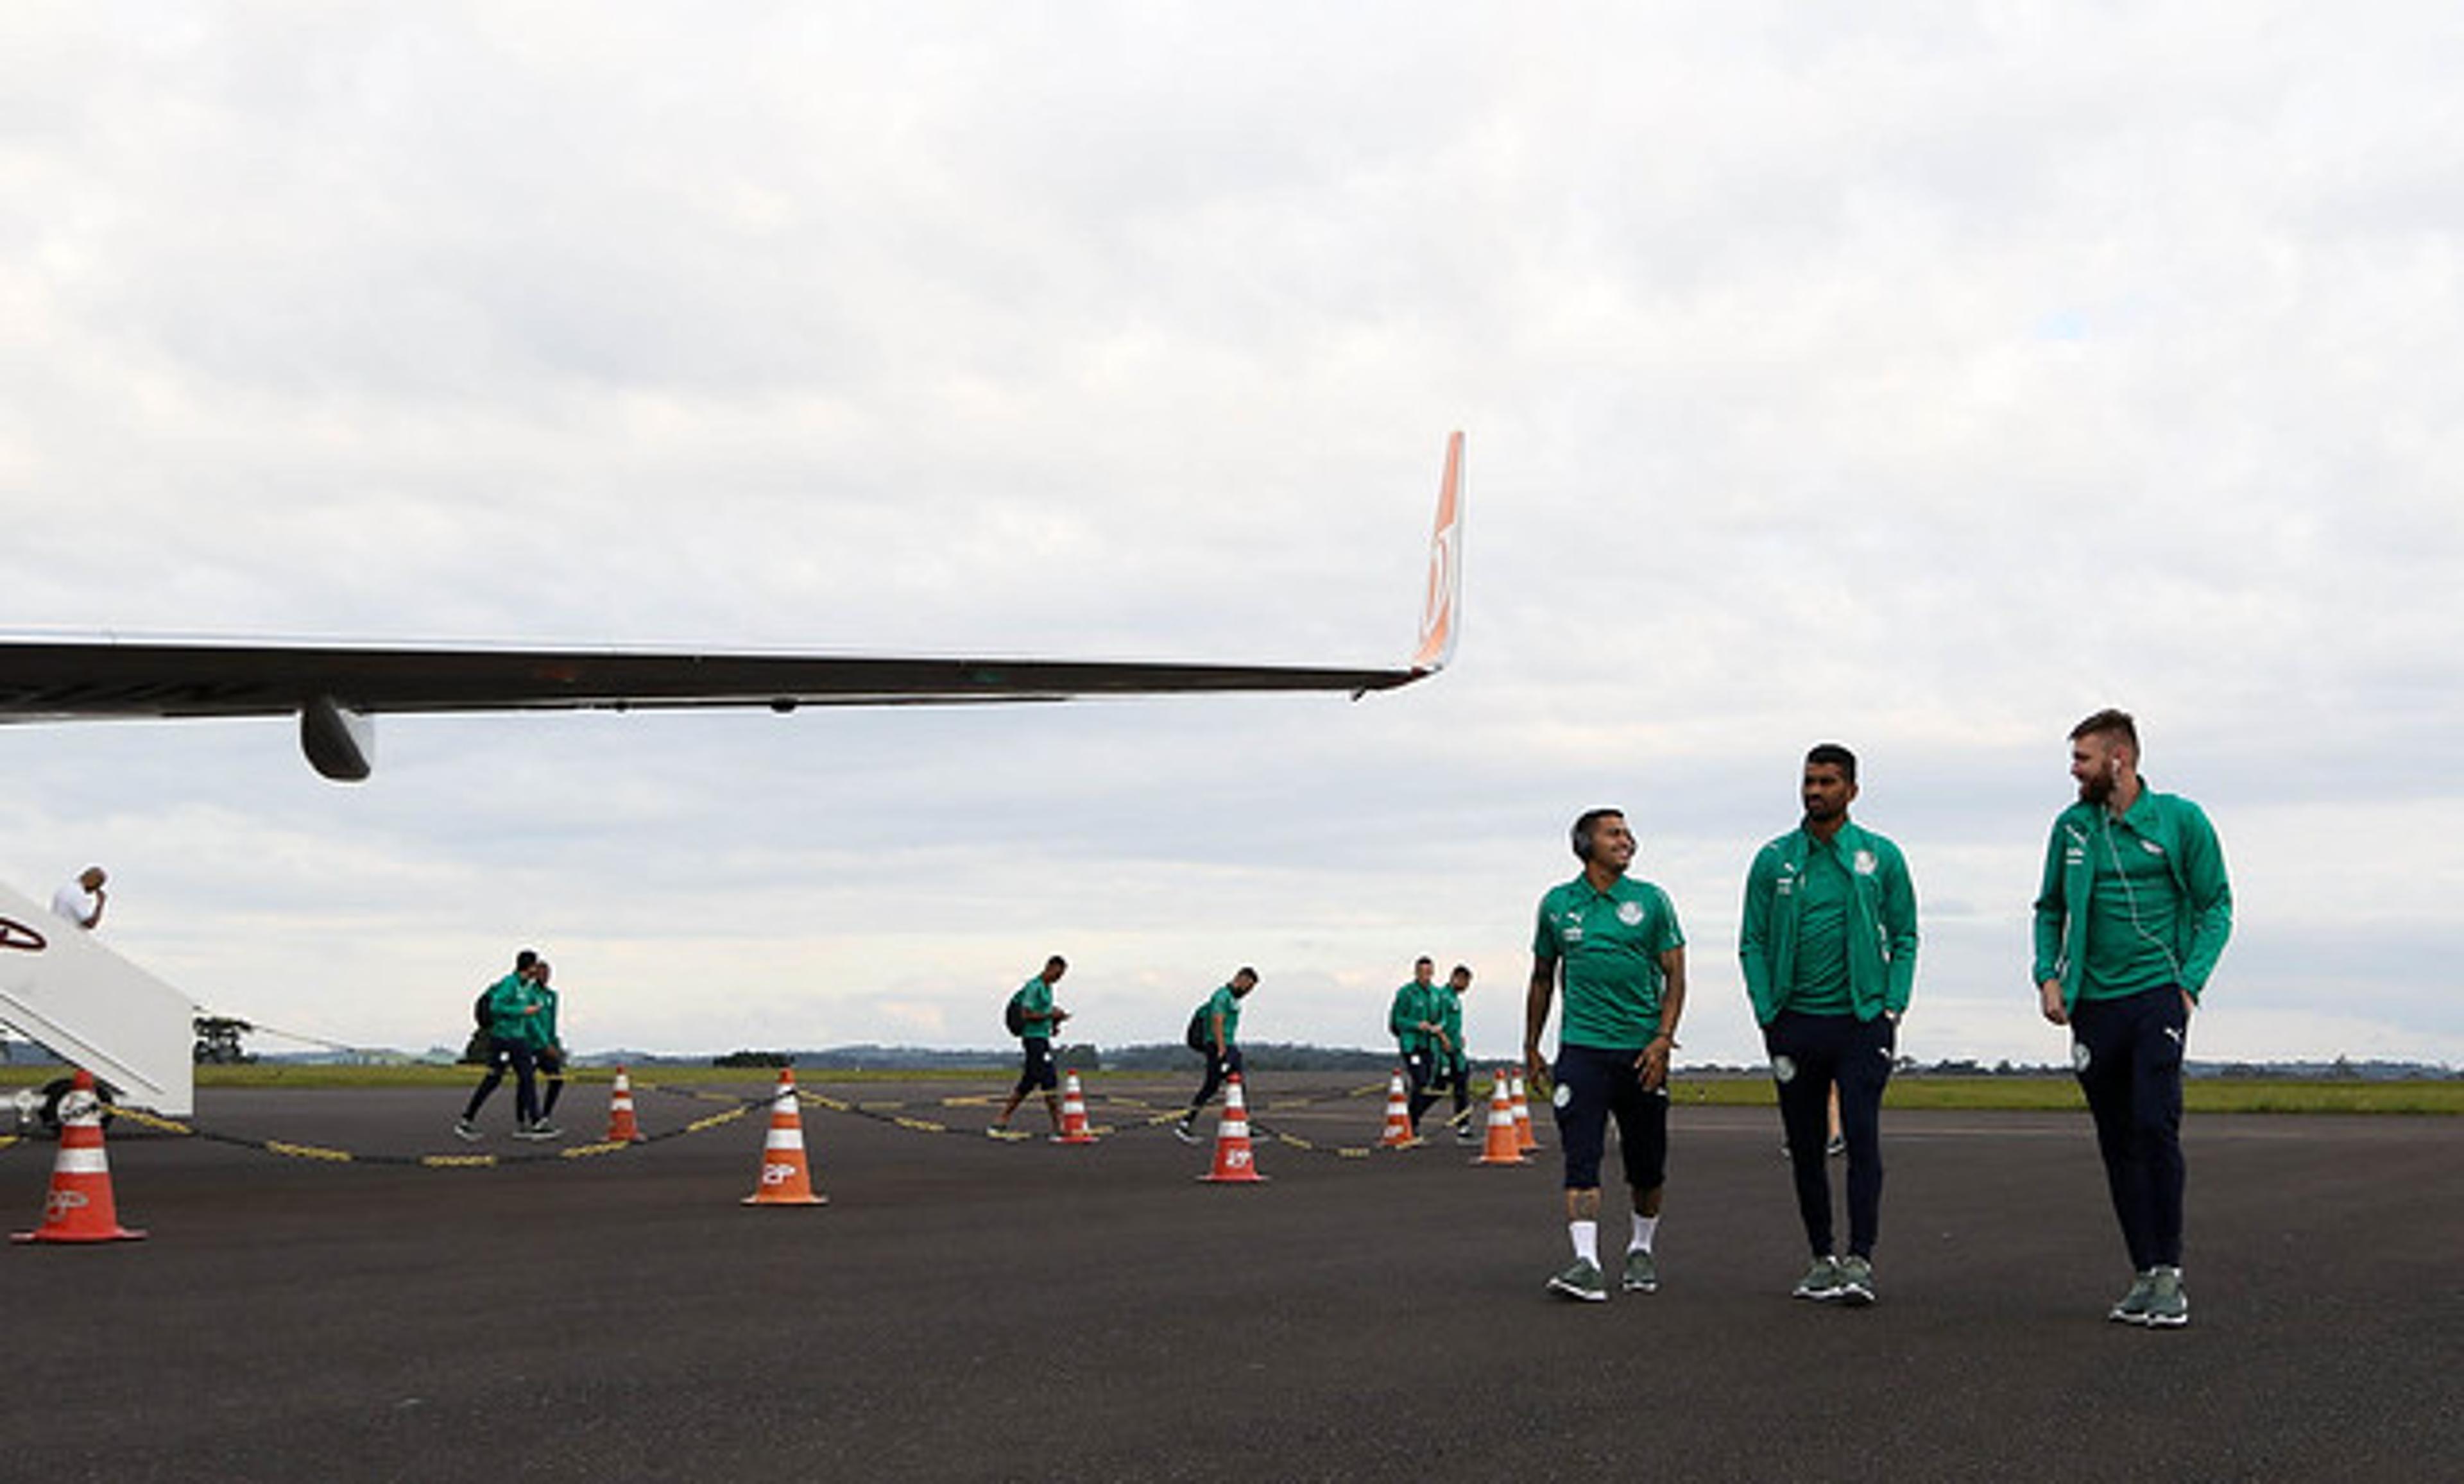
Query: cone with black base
[79, 1207]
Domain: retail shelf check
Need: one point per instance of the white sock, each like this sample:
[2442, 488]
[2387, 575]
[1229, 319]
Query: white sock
[1644, 1228]
[1587, 1240]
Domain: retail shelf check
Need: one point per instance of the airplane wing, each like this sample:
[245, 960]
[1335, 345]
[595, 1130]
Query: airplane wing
[335, 691]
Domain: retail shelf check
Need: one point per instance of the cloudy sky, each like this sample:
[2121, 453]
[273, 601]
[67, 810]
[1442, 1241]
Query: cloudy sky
[1923, 381]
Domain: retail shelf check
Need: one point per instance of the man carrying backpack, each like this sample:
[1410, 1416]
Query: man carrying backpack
[1212, 1034]
[513, 1008]
[1032, 1017]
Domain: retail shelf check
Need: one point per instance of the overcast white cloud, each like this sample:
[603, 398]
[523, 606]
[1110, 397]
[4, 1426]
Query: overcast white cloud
[1924, 381]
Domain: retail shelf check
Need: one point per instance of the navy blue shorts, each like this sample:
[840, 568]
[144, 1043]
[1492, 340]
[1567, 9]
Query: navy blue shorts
[1594, 1085]
[1036, 1068]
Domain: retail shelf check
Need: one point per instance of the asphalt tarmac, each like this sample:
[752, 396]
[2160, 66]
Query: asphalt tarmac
[970, 1309]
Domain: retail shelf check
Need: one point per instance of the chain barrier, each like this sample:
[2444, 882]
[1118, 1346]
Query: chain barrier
[1137, 1116]
[287, 1149]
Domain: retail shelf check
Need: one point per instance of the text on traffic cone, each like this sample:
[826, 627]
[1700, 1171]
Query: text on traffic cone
[79, 1208]
[785, 1178]
[1234, 1161]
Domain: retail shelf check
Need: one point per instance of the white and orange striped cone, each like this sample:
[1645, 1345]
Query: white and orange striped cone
[785, 1178]
[79, 1208]
[1235, 1163]
[1074, 1127]
[1503, 1146]
[1399, 1117]
[621, 1127]
[1523, 1135]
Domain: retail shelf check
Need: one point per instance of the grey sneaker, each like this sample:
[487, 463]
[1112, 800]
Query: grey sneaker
[1182, 1131]
[542, 1129]
[1642, 1273]
[2168, 1303]
[1581, 1280]
[2131, 1308]
[466, 1130]
[1855, 1281]
[1821, 1281]
[1837, 1147]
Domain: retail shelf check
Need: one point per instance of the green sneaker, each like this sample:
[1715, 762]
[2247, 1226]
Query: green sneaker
[1855, 1281]
[1821, 1281]
[1642, 1273]
[1581, 1280]
[2168, 1303]
[2132, 1307]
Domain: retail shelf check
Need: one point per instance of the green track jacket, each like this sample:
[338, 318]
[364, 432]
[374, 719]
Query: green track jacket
[1881, 927]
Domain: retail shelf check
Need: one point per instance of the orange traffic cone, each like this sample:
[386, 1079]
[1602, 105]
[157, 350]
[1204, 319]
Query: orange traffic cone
[621, 1127]
[785, 1180]
[1524, 1138]
[1503, 1146]
[79, 1208]
[1234, 1163]
[1398, 1133]
[1074, 1128]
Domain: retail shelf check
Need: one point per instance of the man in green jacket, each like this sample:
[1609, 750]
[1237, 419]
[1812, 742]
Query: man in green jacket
[2130, 919]
[550, 1044]
[1413, 1019]
[513, 1040]
[1829, 944]
[1453, 1063]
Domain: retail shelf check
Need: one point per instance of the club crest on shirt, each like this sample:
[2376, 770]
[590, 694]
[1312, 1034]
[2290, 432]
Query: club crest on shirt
[1865, 863]
[1630, 913]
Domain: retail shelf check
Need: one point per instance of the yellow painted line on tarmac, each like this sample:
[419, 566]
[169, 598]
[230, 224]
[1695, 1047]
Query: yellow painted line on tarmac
[308, 1151]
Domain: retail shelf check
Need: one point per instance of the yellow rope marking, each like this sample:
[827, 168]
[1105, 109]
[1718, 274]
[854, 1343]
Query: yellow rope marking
[308, 1151]
[921, 1125]
[152, 1120]
[457, 1161]
[586, 1150]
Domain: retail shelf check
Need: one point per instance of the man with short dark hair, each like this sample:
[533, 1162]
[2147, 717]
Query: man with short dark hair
[514, 1009]
[1829, 945]
[1623, 959]
[550, 1046]
[2132, 915]
[1453, 1063]
[1214, 1032]
[1413, 1019]
[1038, 1017]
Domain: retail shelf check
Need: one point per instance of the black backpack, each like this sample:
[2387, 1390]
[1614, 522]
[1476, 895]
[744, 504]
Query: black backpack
[1014, 1014]
[1201, 1028]
[479, 1012]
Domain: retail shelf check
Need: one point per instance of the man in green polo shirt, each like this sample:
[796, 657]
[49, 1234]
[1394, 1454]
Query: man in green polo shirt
[1622, 956]
[2131, 918]
[1214, 1032]
[1829, 945]
[1037, 1019]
